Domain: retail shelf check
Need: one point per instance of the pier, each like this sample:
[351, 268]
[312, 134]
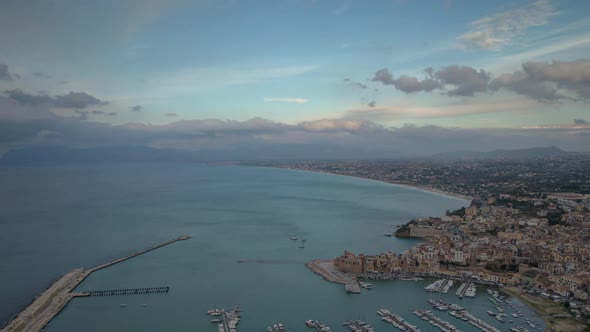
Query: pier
[127, 291]
[443, 325]
[358, 326]
[397, 321]
[49, 303]
[227, 320]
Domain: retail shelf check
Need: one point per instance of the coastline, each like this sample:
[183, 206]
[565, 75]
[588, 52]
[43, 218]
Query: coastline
[399, 184]
[545, 309]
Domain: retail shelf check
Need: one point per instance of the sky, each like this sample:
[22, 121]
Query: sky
[393, 77]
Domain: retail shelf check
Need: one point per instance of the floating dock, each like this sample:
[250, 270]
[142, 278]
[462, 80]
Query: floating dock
[358, 326]
[397, 321]
[49, 303]
[443, 325]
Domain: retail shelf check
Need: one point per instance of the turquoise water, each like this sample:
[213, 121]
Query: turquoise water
[61, 218]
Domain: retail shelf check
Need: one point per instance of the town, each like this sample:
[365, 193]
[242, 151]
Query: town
[526, 229]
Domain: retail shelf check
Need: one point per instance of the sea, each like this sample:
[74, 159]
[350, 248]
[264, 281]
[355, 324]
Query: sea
[57, 218]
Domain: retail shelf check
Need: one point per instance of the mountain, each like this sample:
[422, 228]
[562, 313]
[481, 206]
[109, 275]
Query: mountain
[502, 154]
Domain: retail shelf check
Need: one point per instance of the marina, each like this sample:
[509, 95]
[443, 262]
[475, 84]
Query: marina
[440, 286]
[467, 289]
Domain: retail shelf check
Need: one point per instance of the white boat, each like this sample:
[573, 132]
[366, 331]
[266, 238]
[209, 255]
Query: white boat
[293, 237]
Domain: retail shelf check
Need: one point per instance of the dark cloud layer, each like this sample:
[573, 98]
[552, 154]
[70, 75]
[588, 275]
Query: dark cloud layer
[137, 108]
[406, 84]
[537, 80]
[581, 122]
[75, 100]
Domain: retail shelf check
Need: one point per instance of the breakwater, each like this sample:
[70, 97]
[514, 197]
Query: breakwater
[49, 303]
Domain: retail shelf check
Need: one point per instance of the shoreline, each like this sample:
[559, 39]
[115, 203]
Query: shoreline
[567, 324]
[398, 184]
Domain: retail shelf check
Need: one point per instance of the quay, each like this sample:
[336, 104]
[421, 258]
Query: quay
[325, 268]
[51, 301]
[358, 326]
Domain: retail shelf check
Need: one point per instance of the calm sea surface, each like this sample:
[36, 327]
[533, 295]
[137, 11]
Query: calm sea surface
[54, 219]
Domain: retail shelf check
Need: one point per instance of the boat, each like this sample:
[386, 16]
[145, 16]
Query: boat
[294, 238]
[491, 313]
[122, 305]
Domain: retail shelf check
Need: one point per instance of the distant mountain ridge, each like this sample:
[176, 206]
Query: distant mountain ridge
[502, 154]
[67, 155]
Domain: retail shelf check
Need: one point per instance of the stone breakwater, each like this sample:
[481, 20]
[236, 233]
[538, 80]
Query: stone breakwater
[326, 269]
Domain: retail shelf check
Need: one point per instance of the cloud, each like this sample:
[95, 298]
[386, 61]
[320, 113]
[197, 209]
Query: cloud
[27, 98]
[286, 100]
[97, 112]
[70, 100]
[4, 73]
[372, 104]
[501, 29]
[581, 122]
[137, 108]
[355, 84]
[76, 100]
[542, 80]
[112, 113]
[171, 114]
[406, 84]
[39, 74]
[520, 83]
[467, 80]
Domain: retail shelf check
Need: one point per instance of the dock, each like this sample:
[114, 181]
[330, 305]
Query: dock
[49, 303]
[319, 327]
[227, 320]
[443, 325]
[358, 326]
[397, 321]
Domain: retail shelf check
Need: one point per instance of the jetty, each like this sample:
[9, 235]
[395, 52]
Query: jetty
[319, 327]
[358, 326]
[397, 321]
[227, 320]
[49, 303]
[443, 325]
[478, 323]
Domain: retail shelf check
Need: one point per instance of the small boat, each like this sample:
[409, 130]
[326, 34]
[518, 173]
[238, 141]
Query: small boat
[144, 305]
[294, 238]
[123, 305]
